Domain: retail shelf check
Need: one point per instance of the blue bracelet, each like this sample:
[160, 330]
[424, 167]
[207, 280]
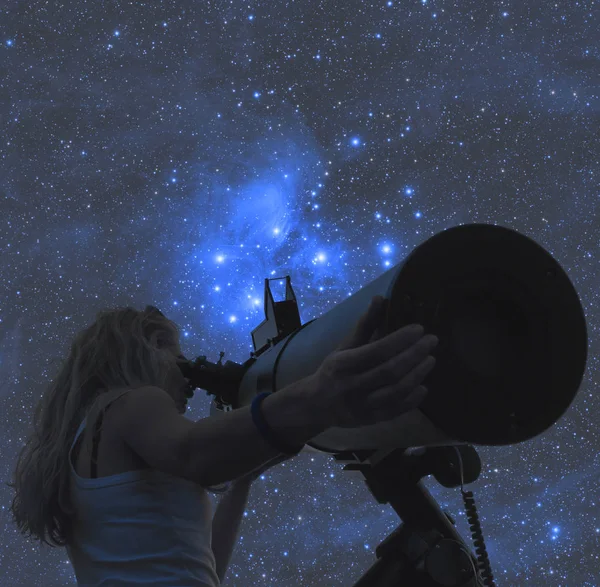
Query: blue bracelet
[263, 427]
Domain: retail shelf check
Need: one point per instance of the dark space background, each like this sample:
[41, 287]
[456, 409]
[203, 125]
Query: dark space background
[178, 153]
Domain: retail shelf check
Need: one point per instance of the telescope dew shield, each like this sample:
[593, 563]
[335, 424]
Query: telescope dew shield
[512, 350]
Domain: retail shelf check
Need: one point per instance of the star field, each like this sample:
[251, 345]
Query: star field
[179, 153]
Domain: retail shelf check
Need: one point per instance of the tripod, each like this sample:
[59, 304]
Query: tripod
[425, 550]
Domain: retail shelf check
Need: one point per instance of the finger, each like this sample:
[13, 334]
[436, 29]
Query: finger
[398, 394]
[398, 369]
[375, 353]
[374, 412]
[382, 322]
[366, 325]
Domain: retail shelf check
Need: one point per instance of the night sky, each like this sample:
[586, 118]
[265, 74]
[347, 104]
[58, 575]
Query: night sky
[178, 153]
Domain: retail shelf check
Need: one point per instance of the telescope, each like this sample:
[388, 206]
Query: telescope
[511, 357]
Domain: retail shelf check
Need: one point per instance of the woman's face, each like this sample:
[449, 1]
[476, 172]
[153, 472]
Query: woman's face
[176, 384]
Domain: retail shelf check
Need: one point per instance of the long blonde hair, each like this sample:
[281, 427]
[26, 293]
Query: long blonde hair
[118, 350]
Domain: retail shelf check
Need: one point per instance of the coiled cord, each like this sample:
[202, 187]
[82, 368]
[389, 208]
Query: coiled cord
[483, 562]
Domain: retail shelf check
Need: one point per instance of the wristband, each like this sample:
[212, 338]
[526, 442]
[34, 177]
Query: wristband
[265, 430]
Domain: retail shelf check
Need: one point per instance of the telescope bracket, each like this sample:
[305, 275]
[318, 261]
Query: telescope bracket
[425, 550]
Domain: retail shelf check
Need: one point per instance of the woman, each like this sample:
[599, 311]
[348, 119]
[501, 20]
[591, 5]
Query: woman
[77, 485]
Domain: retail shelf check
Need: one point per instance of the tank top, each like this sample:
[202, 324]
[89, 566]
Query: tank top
[142, 527]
